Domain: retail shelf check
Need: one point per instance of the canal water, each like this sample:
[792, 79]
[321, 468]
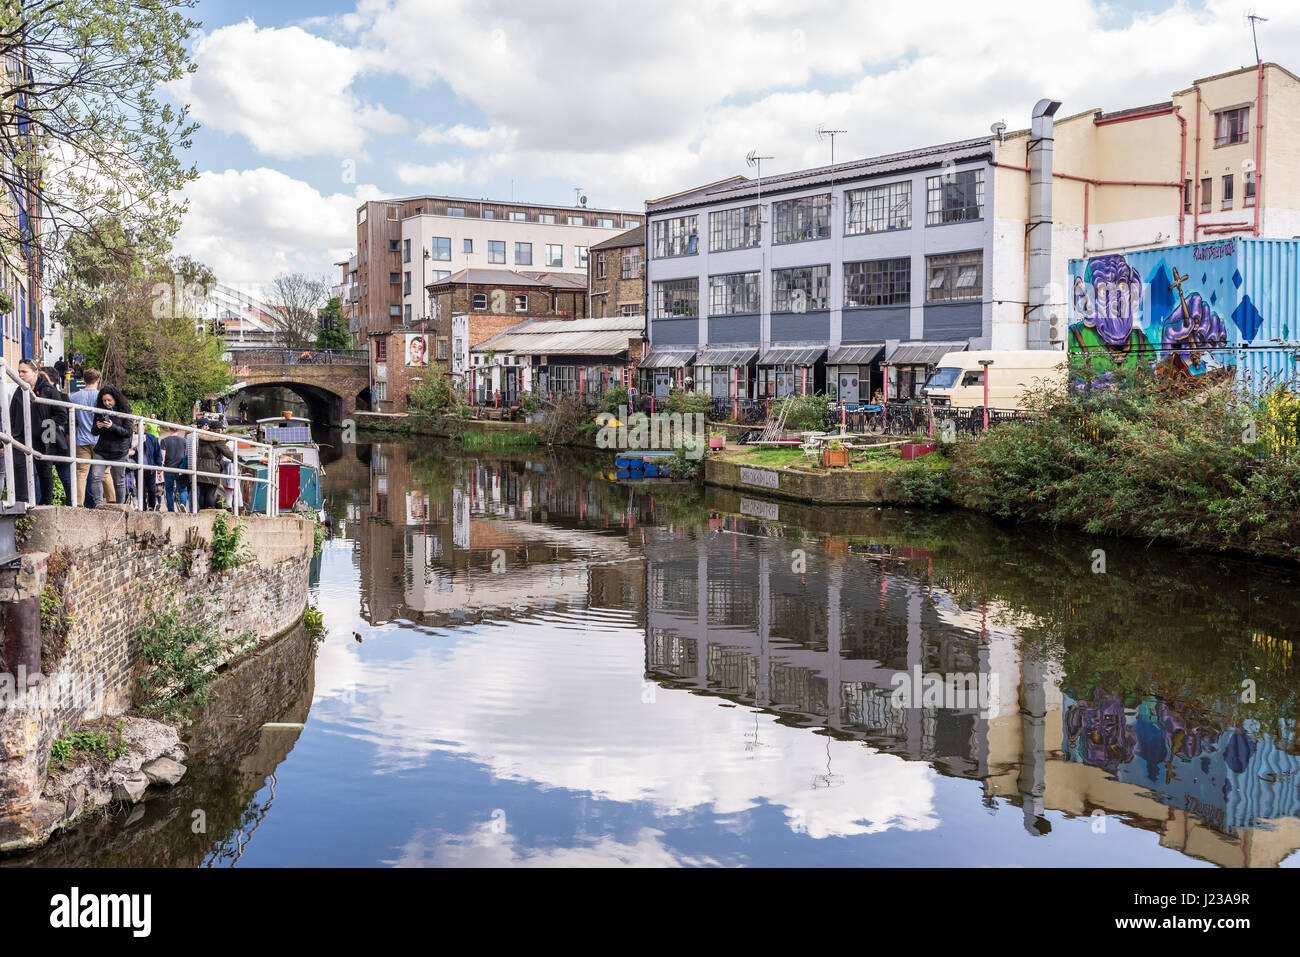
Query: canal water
[530, 664]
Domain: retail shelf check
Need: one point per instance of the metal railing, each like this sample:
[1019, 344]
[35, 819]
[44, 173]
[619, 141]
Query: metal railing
[301, 357]
[133, 464]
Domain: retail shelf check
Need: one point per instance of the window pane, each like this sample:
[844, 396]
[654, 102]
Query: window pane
[955, 276]
[735, 294]
[954, 197]
[441, 248]
[808, 217]
[803, 289]
[676, 237]
[677, 297]
[734, 229]
[878, 208]
[496, 251]
[882, 282]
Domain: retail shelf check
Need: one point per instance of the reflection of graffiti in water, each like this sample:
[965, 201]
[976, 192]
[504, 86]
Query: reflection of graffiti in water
[1236, 778]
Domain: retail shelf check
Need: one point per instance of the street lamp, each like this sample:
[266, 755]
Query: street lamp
[986, 363]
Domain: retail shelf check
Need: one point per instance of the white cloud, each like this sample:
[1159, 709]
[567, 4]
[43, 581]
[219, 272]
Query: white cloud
[414, 174]
[249, 225]
[667, 96]
[287, 91]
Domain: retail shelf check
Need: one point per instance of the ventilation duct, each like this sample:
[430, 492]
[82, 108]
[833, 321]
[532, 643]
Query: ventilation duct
[1043, 316]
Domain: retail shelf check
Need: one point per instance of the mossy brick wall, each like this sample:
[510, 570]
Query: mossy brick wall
[122, 568]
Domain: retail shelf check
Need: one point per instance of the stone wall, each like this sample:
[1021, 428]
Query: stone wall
[122, 568]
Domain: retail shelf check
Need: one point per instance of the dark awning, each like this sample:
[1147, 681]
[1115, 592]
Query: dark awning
[855, 354]
[727, 356]
[667, 359]
[922, 353]
[792, 355]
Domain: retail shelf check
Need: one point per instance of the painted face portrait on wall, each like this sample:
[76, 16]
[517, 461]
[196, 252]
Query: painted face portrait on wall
[1108, 300]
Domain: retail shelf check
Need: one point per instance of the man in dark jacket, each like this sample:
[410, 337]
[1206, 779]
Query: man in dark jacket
[50, 423]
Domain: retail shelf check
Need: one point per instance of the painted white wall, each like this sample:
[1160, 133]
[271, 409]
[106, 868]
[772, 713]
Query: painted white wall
[916, 242]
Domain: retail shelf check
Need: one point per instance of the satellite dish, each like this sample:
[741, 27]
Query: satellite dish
[582, 200]
[997, 129]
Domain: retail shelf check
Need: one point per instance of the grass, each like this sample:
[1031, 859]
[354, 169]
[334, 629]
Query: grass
[792, 457]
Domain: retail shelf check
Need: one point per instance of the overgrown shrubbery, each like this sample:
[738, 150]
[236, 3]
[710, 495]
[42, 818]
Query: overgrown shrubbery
[922, 482]
[1215, 466]
[229, 550]
[806, 413]
[435, 395]
[180, 646]
[686, 403]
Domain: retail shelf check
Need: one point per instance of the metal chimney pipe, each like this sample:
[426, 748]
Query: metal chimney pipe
[1041, 315]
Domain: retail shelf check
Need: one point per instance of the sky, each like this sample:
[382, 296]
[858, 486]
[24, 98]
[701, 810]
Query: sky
[309, 109]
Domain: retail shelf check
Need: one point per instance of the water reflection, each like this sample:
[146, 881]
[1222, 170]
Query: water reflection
[531, 664]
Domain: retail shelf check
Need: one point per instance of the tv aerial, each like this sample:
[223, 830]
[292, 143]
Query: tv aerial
[823, 133]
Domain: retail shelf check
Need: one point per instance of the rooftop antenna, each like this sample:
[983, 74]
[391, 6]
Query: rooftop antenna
[753, 159]
[824, 133]
[997, 129]
[577, 195]
[1255, 18]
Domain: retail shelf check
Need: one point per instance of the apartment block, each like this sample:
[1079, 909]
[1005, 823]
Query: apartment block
[403, 245]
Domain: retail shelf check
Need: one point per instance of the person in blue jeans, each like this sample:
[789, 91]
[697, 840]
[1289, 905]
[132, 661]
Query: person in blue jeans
[172, 446]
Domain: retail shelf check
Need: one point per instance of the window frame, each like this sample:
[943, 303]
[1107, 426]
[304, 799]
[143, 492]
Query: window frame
[474, 301]
[687, 288]
[863, 209]
[527, 249]
[954, 267]
[751, 289]
[1223, 132]
[1227, 191]
[793, 219]
[518, 297]
[558, 261]
[493, 252]
[785, 281]
[938, 212]
[676, 236]
[730, 228]
[888, 284]
[1207, 194]
[439, 244]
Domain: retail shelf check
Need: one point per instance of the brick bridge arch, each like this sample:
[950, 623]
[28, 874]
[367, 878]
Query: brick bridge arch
[331, 383]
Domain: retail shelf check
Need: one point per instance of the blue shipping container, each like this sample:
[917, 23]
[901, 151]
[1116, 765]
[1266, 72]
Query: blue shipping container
[1213, 308]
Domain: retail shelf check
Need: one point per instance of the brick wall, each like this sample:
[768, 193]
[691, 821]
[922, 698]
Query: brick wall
[118, 575]
[613, 291]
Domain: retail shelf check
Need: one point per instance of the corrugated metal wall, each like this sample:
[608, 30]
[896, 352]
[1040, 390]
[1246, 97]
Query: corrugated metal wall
[1270, 270]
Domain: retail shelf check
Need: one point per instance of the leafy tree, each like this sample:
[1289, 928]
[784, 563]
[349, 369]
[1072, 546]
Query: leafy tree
[296, 299]
[333, 327]
[135, 316]
[81, 81]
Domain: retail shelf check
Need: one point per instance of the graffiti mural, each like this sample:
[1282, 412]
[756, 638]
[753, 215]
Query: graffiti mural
[1233, 777]
[1199, 312]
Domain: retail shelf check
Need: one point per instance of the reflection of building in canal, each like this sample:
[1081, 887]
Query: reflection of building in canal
[822, 641]
[495, 535]
[820, 635]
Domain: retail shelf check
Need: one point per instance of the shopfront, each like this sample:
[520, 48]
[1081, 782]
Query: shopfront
[791, 370]
[726, 372]
[909, 365]
[853, 372]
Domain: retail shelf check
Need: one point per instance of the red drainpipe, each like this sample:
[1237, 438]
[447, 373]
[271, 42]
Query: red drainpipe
[1259, 142]
[1196, 191]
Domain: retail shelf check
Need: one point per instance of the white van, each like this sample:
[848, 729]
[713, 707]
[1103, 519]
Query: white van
[958, 379]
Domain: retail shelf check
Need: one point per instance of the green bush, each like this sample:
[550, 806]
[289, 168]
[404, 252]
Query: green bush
[806, 413]
[685, 402]
[179, 650]
[922, 482]
[1147, 459]
[314, 622]
[228, 547]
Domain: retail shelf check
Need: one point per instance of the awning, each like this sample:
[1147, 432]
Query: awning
[922, 353]
[726, 356]
[856, 355]
[792, 355]
[667, 359]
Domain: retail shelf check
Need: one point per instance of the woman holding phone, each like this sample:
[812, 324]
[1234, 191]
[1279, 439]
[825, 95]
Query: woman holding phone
[112, 443]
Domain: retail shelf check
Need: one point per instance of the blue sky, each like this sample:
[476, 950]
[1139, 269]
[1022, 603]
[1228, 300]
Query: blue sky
[309, 109]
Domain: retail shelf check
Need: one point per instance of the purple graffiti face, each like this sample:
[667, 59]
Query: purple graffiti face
[1192, 327]
[1109, 298]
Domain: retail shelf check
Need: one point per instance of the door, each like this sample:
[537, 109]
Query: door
[721, 384]
[511, 392]
[849, 388]
[662, 384]
[785, 384]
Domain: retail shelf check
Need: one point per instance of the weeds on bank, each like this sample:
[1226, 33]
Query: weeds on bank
[180, 646]
[229, 550]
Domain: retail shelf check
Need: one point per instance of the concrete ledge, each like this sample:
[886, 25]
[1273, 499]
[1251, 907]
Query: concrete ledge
[842, 487]
[270, 540]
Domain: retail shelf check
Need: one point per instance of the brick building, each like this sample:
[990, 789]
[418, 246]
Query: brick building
[616, 275]
[467, 308]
